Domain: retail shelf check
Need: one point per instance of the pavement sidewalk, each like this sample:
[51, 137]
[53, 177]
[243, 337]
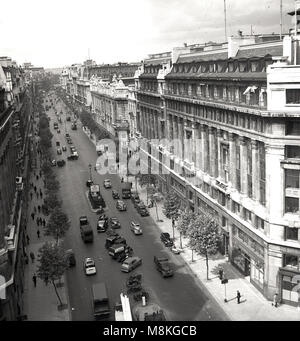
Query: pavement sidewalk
[41, 302]
[253, 306]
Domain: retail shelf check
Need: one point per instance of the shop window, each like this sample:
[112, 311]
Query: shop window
[292, 96]
[291, 205]
[292, 152]
[293, 128]
[291, 233]
[290, 261]
[292, 178]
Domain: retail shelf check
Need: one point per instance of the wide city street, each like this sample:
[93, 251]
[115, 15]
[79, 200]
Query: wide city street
[181, 297]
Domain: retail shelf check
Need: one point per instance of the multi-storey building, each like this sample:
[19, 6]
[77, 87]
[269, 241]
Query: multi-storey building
[110, 106]
[15, 126]
[107, 72]
[234, 108]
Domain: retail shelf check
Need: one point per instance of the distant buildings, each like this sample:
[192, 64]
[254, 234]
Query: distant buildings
[15, 143]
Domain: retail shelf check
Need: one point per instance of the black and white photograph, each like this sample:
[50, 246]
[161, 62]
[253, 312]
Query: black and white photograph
[150, 163]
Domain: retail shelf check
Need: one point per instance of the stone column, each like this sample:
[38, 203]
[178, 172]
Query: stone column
[204, 149]
[198, 147]
[255, 171]
[244, 173]
[274, 182]
[212, 151]
[232, 158]
[219, 170]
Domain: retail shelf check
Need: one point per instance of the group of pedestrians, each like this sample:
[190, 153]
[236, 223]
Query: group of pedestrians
[36, 193]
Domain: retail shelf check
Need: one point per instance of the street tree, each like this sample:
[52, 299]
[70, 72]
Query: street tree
[51, 201]
[185, 220]
[204, 236]
[147, 180]
[52, 264]
[171, 207]
[58, 224]
[51, 184]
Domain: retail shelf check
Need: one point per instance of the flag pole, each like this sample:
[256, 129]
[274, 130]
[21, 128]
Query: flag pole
[280, 19]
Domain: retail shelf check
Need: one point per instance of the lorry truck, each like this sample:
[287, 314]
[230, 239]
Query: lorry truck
[86, 231]
[95, 197]
[126, 190]
[100, 301]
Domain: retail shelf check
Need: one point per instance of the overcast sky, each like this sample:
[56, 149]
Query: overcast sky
[56, 33]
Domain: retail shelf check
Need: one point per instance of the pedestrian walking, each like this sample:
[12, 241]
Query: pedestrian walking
[37, 178]
[238, 297]
[31, 195]
[275, 300]
[32, 256]
[38, 221]
[34, 189]
[39, 208]
[40, 173]
[28, 239]
[41, 221]
[34, 279]
[32, 216]
[44, 222]
[38, 233]
[41, 193]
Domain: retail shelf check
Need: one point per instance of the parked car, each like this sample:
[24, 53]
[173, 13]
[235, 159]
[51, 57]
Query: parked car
[53, 163]
[102, 225]
[72, 157]
[89, 266]
[107, 183]
[89, 182]
[71, 257]
[59, 152]
[61, 163]
[114, 223]
[135, 196]
[166, 239]
[115, 194]
[139, 204]
[121, 206]
[69, 141]
[130, 264]
[136, 228]
[58, 131]
[67, 135]
[64, 148]
[57, 143]
[143, 212]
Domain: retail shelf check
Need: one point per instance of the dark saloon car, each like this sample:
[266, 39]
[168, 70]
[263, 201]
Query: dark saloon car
[166, 239]
[114, 223]
[115, 194]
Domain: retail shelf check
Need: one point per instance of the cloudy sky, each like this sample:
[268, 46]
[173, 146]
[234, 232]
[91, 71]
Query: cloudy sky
[55, 33]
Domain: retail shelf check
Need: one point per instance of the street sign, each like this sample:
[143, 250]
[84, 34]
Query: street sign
[224, 281]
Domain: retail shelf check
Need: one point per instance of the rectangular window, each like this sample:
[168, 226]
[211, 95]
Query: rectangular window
[236, 208]
[224, 221]
[259, 223]
[291, 233]
[262, 173]
[292, 152]
[291, 205]
[292, 178]
[247, 215]
[293, 128]
[292, 96]
[290, 261]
